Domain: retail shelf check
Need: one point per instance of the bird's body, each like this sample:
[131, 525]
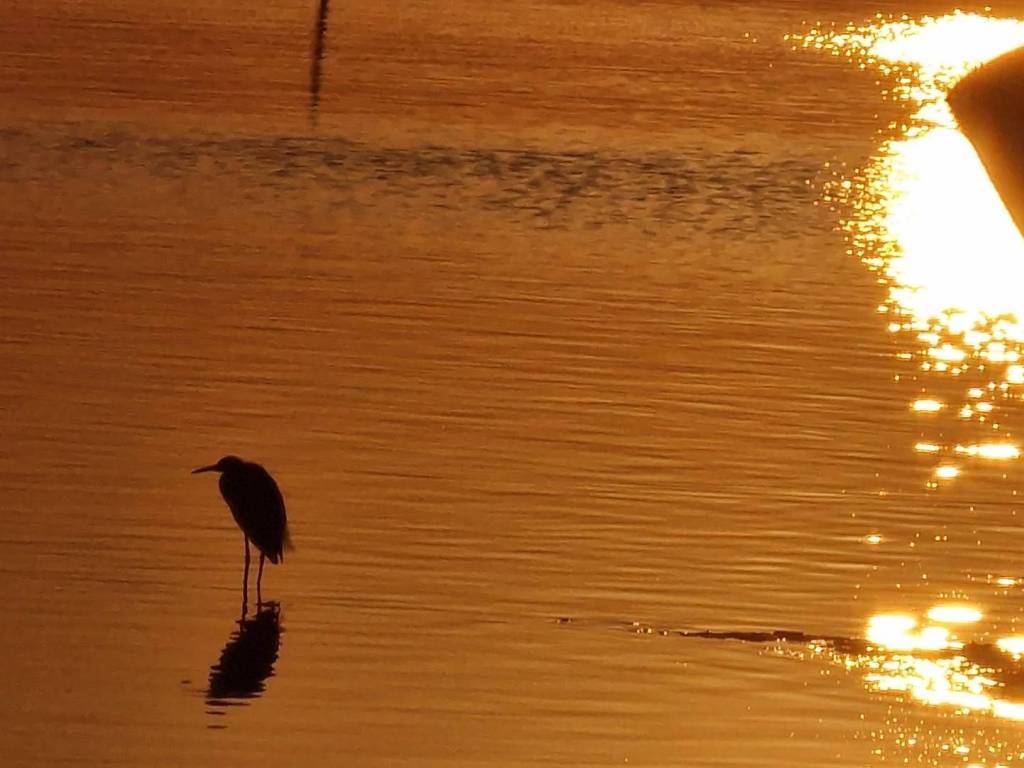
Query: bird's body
[257, 505]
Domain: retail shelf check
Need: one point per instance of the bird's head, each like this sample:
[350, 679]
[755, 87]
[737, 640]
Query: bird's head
[224, 465]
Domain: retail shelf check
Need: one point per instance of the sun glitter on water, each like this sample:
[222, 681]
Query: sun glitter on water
[929, 662]
[924, 215]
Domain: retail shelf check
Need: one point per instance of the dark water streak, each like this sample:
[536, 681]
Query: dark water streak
[743, 192]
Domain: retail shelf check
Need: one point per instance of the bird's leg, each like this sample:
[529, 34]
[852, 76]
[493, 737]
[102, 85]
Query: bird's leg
[259, 581]
[245, 579]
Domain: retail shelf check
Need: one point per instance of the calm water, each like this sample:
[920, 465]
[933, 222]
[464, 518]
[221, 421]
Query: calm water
[565, 328]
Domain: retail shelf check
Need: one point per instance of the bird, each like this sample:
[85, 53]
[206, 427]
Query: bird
[257, 505]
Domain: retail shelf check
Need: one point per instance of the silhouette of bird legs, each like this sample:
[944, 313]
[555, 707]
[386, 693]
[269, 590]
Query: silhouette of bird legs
[259, 582]
[245, 581]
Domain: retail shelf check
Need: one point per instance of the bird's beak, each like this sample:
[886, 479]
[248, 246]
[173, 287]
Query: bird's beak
[211, 468]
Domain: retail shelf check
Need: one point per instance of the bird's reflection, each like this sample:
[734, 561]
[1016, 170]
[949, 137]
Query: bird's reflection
[247, 659]
[319, 35]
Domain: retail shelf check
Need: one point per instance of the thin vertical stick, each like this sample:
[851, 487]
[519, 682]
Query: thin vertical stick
[259, 583]
[319, 34]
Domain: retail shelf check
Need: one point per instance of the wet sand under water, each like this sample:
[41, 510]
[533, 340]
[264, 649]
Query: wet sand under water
[557, 349]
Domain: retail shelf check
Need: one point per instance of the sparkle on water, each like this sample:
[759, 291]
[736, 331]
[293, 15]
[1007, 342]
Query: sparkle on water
[931, 664]
[954, 614]
[924, 215]
[994, 451]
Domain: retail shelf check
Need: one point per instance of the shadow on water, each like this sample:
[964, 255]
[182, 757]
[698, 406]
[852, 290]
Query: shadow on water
[319, 35]
[247, 660]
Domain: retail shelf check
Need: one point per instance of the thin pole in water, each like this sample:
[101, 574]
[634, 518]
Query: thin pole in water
[319, 35]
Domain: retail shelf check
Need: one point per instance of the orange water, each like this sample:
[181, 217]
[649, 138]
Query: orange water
[546, 312]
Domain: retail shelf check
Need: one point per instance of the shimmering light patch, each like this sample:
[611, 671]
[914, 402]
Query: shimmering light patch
[932, 666]
[873, 538]
[994, 451]
[1008, 710]
[947, 472]
[984, 407]
[908, 40]
[926, 447]
[996, 352]
[947, 353]
[1006, 581]
[895, 632]
[975, 392]
[954, 614]
[934, 198]
[924, 213]
[954, 681]
[926, 406]
[1012, 645]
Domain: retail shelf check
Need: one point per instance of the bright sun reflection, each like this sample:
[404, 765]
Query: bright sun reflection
[932, 665]
[921, 206]
[898, 632]
[926, 217]
[1012, 645]
[954, 614]
[994, 451]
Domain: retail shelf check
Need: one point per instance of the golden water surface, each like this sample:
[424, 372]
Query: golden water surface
[566, 328]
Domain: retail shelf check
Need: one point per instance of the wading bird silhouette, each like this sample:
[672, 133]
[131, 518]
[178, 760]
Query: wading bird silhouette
[256, 504]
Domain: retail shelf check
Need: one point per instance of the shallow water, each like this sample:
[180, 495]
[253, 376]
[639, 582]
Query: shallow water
[564, 328]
